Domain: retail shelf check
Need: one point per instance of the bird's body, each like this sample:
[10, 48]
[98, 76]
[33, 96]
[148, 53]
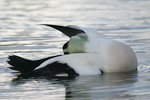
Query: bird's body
[88, 52]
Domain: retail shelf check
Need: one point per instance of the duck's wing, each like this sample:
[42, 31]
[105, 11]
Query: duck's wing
[72, 30]
[72, 64]
[79, 63]
[67, 30]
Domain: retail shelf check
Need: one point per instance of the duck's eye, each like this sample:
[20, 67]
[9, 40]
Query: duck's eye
[65, 48]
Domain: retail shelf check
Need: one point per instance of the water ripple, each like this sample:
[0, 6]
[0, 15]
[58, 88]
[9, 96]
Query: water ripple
[127, 21]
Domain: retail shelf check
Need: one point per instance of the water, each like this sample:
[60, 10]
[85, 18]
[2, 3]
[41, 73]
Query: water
[127, 21]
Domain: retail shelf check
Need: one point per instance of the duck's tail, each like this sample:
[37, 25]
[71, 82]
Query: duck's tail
[24, 65]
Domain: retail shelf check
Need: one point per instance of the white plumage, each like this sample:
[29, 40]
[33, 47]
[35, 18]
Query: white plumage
[83, 64]
[89, 53]
[97, 54]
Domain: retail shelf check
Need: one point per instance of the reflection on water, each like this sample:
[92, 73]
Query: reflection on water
[127, 21]
[109, 86]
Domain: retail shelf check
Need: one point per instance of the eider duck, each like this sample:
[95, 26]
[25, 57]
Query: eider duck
[86, 53]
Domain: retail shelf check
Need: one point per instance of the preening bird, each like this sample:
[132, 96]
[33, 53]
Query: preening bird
[86, 53]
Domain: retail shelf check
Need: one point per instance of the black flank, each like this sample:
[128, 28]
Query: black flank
[53, 69]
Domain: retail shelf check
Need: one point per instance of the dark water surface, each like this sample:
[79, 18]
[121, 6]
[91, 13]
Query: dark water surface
[127, 21]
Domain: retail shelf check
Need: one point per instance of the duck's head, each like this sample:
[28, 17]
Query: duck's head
[76, 44]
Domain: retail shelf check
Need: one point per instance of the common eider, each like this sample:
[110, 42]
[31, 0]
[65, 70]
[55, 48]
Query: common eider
[86, 53]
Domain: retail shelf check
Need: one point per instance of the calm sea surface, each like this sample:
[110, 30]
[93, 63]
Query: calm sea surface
[127, 21]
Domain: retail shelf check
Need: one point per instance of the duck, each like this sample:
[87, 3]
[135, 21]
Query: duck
[87, 52]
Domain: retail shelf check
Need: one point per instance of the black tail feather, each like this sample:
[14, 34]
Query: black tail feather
[24, 65]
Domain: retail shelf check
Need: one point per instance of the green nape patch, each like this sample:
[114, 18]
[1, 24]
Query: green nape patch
[77, 44]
